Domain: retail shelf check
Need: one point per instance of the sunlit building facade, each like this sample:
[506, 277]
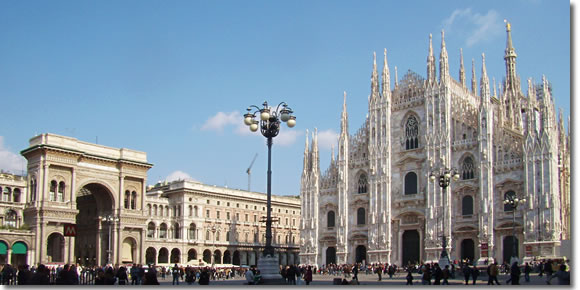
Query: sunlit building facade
[376, 203]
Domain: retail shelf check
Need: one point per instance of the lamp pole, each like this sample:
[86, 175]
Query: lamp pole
[269, 126]
[109, 219]
[444, 176]
[514, 202]
[213, 230]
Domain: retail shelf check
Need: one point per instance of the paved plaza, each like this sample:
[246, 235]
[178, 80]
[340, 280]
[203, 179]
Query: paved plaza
[364, 279]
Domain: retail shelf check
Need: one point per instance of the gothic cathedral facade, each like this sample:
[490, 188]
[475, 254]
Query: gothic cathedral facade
[376, 202]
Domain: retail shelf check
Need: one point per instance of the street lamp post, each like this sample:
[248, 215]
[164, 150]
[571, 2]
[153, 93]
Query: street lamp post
[444, 176]
[109, 219]
[213, 230]
[514, 202]
[269, 126]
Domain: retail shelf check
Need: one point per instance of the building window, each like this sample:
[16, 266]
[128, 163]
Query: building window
[176, 231]
[467, 168]
[411, 133]
[52, 193]
[360, 216]
[60, 196]
[151, 230]
[217, 215]
[149, 210]
[246, 238]
[246, 217]
[126, 200]
[255, 218]
[227, 215]
[192, 230]
[286, 221]
[467, 205]
[218, 202]
[195, 213]
[207, 213]
[362, 183]
[329, 219]
[237, 216]
[217, 236]
[163, 231]
[133, 200]
[10, 218]
[411, 183]
[190, 210]
[207, 236]
[227, 236]
[293, 222]
[508, 207]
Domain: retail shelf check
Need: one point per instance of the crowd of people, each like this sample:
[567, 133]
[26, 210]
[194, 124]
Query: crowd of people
[136, 274]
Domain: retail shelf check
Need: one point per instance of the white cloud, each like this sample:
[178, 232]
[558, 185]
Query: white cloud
[179, 175]
[220, 120]
[474, 26]
[10, 161]
[287, 137]
[327, 138]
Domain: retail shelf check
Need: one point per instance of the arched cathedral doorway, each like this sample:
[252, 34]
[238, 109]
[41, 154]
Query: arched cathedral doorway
[467, 250]
[411, 247]
[361, 254]
[330, 255]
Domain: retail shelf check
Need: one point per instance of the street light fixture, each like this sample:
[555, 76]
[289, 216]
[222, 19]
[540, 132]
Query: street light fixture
[514, 202]
[109, 219]
[269, 126]
[444, 176]
[213, 230]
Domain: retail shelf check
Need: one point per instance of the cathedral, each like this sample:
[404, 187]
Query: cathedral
[376, 201]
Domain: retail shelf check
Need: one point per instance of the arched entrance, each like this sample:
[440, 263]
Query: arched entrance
[19, 254]
[330, 255]
[236, 259]
[361, 254]
[227, 257]
[508, 248]
[175, 256]
[207, 256]
[468, 250]
[163, 256]
[217, 257]
[191, 256]
[94, 201]
[129, 250]
[150, 256]
[54, 248]
[411, 247]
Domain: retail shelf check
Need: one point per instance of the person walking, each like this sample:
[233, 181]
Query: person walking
[474, 274]
[426, 279]
[446, 275]
[409, 277]
[175, 273]
[250, 276]
[562, 275]
[438, 274]
[527, 270]
[515, 273]
[493, 273]
[308, 275]
[466, 273]
[122, 276]
[379, 271]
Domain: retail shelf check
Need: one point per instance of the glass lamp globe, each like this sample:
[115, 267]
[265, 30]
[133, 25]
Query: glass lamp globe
[265, 114]
[456, 177]
[254, 127]
[447, 175]
[248, 119]
[291, 121]
[432, 177]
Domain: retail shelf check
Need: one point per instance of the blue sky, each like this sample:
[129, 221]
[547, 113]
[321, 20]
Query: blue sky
[172, 78]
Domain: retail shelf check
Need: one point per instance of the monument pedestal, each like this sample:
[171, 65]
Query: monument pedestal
[269, 267]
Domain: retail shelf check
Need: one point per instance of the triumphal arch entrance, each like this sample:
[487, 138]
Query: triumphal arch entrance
[98, 189]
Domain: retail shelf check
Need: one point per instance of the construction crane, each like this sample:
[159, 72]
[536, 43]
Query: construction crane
[249, 170]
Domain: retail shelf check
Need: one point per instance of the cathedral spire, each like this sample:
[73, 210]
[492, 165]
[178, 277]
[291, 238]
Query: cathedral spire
[344, 118]
[315, 157]
[510, 60]
[332, 160]
[386, 77]
[461, 68]
[306, 154]
[431, 62]
[374, 78]
[484, 82]
[473, 79]
[396, 78]
[443, 61]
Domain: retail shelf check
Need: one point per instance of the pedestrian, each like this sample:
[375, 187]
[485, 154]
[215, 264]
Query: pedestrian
[308, 275]
[379, 272]
[122, 276]
[562, 275]
[493, 273]
[175, 273]
[134, 274]
[250, 276]
[409, 277]
[474, 274]
[548, 270]
[150, 277]
[291, 275]
[527, 270]
[426, 279]
[446, 275]
[438, 274]
[466, 273]
[355, 271]
[204, 277]
[515, 273]
[24, 275]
